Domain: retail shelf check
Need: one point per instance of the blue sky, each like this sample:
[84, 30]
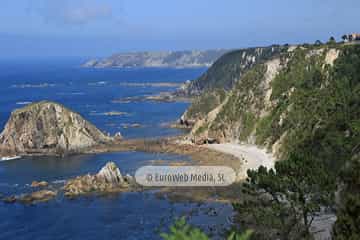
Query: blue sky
[43, 28]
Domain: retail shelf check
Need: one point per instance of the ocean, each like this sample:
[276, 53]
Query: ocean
[102, 97]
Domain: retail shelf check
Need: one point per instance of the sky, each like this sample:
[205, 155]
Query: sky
[95, 28]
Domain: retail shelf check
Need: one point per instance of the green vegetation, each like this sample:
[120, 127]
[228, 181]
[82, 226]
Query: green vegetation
[244, 105]
[230, 67]
[315, 110]
[285, 201]
[332, 41]
[243, 236]
[223, 75]
[182, 231]
[347, 226]
[205, 103]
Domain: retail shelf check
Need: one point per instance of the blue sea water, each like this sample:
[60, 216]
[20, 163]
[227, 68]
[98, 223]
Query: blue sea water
[91, 93]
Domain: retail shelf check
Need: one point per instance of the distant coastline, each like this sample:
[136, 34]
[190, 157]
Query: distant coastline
[170, 59]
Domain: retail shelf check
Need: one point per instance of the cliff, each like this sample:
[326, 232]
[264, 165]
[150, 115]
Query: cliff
[48, 128]
[230, 67]
[175, 59]
[301, 99]
[211, 88]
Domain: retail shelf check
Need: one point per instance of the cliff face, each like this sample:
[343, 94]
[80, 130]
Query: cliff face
[213, 86]
[304, 95]
[228, 69]
[48, 127]
[159, 59]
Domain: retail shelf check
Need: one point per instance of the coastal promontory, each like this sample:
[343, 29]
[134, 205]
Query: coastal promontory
[48, 128]
[172, 59]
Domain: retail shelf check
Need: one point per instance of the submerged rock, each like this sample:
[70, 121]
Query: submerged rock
[46, 128]
[109, 179]
[10, 199]
[35, 184]
[39, 196]
[30, 198]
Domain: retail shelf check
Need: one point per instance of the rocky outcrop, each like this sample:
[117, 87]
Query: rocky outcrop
[36, 197]
[31, 198]
[110, 173]
[49, 128]
[183, 59]
[36, 184]
[109, 179]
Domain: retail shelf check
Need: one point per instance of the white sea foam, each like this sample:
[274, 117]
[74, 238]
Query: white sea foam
[60, 181]
[23, 103]
[100, 83]
[71, 93]
[10, 158]
[40, 85]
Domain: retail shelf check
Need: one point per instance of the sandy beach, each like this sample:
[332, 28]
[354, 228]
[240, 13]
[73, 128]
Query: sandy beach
[251, 156]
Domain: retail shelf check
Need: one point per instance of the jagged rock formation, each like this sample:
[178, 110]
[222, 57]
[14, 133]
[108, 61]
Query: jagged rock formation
[110, 174]
[48, 128]
[109, 179]
[280, 101]
[183, 59]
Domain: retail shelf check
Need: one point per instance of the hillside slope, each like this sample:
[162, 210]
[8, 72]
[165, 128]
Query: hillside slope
[304, 100]
[212, 87]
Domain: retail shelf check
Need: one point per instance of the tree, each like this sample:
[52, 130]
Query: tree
[347, 226]
[318, 43]
[180, 230]
[286, 200]
[332, 40]
[345, 37]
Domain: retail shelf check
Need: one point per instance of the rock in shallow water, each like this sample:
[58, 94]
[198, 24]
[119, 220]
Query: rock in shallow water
[110, 174]
[11, 199]
[35, 184]
[109, 179]
[39, 196]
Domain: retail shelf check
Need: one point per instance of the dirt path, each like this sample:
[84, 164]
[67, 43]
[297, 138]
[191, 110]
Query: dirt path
[251, 156]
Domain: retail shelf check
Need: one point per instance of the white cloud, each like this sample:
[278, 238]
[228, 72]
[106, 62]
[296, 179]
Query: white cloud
[72, 11]
[85, 14]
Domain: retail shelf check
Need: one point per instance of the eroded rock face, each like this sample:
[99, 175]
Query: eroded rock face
[48, 127]
[110, 174]
[109, 179]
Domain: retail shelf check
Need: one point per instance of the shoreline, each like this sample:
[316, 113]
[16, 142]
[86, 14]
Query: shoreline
[251, 156]
[240, 157]
[210, 155]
